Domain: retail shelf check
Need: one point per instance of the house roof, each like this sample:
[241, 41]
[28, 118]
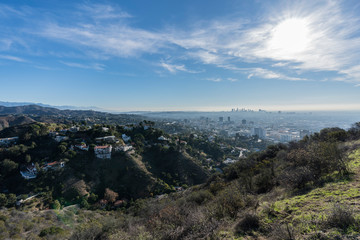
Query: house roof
[101, 147]
[52, 163]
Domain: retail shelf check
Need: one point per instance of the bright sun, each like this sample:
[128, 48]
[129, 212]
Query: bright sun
[290, 36]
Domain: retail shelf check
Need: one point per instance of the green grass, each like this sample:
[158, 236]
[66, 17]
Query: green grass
[309, 210]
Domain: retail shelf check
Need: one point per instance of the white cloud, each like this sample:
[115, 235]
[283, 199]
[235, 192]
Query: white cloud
[95, 66]
[268, 74]
[330, 39]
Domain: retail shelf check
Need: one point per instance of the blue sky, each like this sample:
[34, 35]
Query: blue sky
[182, 55]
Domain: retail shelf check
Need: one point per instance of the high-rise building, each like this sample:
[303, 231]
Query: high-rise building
[228, 119]
[260, 132]
[243, 121]
[221, 119]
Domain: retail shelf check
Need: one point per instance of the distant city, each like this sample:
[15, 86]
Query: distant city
[273, 126]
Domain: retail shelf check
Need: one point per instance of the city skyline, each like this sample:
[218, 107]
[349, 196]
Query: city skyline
[169, 56]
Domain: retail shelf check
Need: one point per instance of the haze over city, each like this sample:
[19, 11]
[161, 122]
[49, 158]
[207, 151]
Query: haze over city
[182, 55]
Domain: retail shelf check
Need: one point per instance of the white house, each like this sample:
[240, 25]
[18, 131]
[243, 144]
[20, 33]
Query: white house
[125, 137]
[61, 138]
[74, 129]
[103, 151]
[82, 147]
[110, 139]
[30, 172]
[124, 148]
[53, 165]
[162, 138]
[7, 141]
[229, 161]
[128, 128]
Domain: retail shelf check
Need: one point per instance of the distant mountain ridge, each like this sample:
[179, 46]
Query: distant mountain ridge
[16, 104]
[51, 114]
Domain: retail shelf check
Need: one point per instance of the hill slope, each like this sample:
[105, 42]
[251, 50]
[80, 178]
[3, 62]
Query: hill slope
[11, 120]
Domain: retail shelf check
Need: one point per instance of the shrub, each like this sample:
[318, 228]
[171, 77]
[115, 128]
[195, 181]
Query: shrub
[228, 203]
[3, 200]
[200, 196]
[248, 223]
[283, 232]
[51, 231]
[340, 217]
[56, 205]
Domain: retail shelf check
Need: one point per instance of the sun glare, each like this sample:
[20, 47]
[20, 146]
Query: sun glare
[290, 36]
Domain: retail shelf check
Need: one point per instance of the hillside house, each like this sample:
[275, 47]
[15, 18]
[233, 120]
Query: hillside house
[128, 128]
[61, 138]
[53, 134]
[53, 165]
[74, 129]
[229, 161]
[64, 131]
[162, 138]
[8, 141]
[29, 172]
[108, 139]
[125, 137]
[103, 151]
[123, 148]
[82, 147]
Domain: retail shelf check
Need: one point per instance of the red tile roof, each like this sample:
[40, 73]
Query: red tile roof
[101, 147]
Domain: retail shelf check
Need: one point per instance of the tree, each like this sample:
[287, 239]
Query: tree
[110, 195]
[62, 148]
[56, 205]
[27, 158]
[84, 203]
[11, 200]
[7, 166]
[3, 200]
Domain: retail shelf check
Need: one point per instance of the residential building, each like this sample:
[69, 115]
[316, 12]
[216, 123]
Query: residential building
[108, 139]
[61, 138]
[125, 137]
[103, 151]
[53, 165]
[29, 172]
[82, 147]
[7, 141]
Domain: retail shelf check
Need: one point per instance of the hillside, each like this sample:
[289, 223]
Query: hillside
[139, 168]
[305, 190]
[11, 120]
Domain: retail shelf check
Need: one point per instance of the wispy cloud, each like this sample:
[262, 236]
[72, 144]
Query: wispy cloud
[214, 79]
[95, 66]
[232, 79]
[110, 40]
[173, 68]
[12, 58]
[268, 74]
[103, 11]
